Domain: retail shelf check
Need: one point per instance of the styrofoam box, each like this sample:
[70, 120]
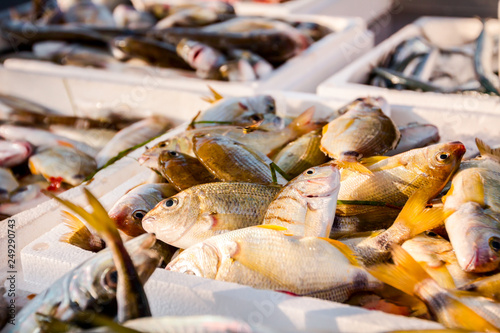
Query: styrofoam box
[367, 10]
[351, 81]
[301, 73]
[44, 259]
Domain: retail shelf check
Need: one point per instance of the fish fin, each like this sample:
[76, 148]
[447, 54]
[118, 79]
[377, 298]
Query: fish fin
[344, 249]
[304, 122]
[32, 167]
[404, 275]
[354, 166]
[417, 218]
[475, 189]
[65, 144]
[368, 161]
[386, 164]
[272, 227]
[486, 150]
[214, 98]
[467, 318]
[441, 275]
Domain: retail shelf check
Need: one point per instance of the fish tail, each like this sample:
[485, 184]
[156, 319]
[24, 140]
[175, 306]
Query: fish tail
[304, 122]
[416, 218]
[80, 235]
[214, 98]
[404, 275]
[486, 150]
[354, 166]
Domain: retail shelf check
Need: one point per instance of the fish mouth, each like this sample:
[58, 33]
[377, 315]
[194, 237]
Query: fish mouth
[143, 159]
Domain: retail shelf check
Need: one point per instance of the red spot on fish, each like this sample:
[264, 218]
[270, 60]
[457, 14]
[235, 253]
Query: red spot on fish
[287, 293]
[55, 183]
[243, 106]
[31, 296]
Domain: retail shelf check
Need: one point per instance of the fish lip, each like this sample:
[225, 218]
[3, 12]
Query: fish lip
[472, 263]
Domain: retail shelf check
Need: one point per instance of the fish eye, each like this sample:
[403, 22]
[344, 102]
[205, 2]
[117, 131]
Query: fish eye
[139, 214]
[162, 144]
[173, 153]
[255, 117]
[494, 243]
[171, 202]
[110, 279]
[431, 234]
[442, 157]
[310, 172]
[271, 107]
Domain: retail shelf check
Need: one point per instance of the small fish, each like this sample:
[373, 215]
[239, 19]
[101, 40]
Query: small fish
[126, 16]
[192, 17]
[301, 154]
[38, 137]
[414, 136]
[254, 256]
[203, 58]
[363, 131]
[69, 165]
[483, 70]
[130, 296]
[133, 135]
[202, 211]
[306, 205]
[13, 153]
[232, 161]
[183, 171]
[87, 12]
[90, 286]
[130, 209]
[450, 308]
[96, 138]
[394, 179]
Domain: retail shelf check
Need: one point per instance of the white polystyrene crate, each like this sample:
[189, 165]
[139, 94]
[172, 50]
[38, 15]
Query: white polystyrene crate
[45, 258]
[367, 10]
[301, 73]
[351, 81]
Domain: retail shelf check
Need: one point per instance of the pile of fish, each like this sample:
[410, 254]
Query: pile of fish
[418, 64]
[349, 209]
[42, 150]
[205, 36]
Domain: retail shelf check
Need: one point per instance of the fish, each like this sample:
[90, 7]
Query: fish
[129, 211]
[204, 59]
[202, 211]
[96, 138]
[393, 180]
[232, 161]
[475, 235]
[8, 183]
[183, 171]
[343, 142]
[482, 57]
[245, 66]
[301, 154]
[414, 136]
[306, 205]
[91, 286]
[450, 308]
[256, 256]
[38, 137]
[268, 142]
[62, 164]
[130, 296]
[13, 153]
[436, 255]
[198, 16]
[126, 16]
[89, 13]
[487, 286]
[232, 109]
[133, 135]
[474, 225]
[152, 51]
[80, 235]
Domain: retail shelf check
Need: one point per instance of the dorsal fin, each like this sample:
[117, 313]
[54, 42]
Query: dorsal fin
[486, 150]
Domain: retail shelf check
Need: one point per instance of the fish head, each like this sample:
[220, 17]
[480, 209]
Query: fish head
[319, 181]
[428, 247]
[200, 56]
[200, 260]
[261, 104]
[440, 160]
[150, 157]
[475, 236]
[128, 215]
[168, 157]
[171, 218]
